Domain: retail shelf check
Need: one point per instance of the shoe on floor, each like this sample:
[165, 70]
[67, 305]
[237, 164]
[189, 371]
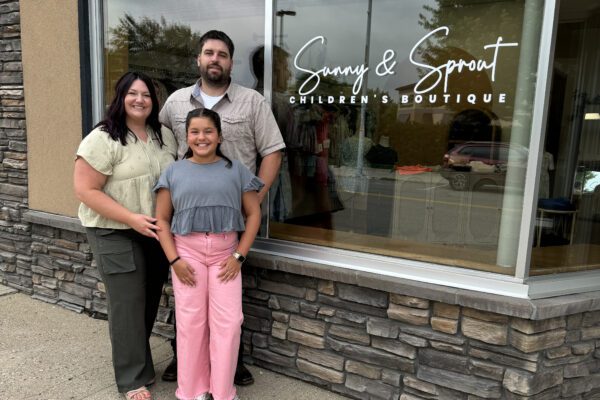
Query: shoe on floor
[139, 394]
[170, 374]
[243, 377]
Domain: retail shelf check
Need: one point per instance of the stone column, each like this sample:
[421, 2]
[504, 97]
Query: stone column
[15, 236]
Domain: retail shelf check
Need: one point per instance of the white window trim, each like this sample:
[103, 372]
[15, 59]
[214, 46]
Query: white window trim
[97, 58]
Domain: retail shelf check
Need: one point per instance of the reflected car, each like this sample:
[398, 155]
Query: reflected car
[482, 165]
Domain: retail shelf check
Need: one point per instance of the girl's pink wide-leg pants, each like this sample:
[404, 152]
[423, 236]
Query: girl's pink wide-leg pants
[209, 318]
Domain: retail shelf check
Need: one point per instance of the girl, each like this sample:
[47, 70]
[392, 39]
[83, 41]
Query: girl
[199, 210]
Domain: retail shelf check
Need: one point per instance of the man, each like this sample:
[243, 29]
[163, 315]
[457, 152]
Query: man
[248, 126]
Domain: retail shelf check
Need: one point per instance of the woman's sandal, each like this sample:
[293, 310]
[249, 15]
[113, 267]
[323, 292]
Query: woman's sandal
[139, 394]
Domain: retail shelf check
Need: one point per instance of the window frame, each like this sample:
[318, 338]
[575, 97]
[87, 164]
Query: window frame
[519, 285]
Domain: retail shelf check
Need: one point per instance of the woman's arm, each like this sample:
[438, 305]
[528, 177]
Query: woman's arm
[231, 267]
[164, 213]
[88, 184]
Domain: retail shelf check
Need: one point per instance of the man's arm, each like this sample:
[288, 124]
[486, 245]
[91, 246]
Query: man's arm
[269, 168]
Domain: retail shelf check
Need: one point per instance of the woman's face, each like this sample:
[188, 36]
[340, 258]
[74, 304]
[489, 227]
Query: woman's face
[138, 103]
[203, 138]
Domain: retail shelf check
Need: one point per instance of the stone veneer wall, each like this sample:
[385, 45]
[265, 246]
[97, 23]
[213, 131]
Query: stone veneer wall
[372, 344]
[63, 272]
[366, 343]
[361, 342]
[15, 235]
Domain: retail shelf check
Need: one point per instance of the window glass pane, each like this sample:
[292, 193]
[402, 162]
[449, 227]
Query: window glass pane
[568, 217]
[418, 152]
[159, 37]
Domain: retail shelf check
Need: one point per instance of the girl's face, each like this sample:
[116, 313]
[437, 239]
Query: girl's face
[138, 103]
[203, 139]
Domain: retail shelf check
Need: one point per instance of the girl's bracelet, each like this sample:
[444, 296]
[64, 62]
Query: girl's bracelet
[174, 260]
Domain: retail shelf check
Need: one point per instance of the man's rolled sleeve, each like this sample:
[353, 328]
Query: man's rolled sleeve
[267, 134]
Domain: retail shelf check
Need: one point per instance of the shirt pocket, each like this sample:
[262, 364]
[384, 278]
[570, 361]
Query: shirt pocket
[179, 128]
[115, 252]
[236, 127]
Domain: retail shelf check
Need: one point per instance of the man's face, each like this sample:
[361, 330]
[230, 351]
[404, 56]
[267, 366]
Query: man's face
[214, 62]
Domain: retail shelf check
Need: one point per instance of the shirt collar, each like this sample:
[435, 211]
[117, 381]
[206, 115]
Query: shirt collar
[229, 93]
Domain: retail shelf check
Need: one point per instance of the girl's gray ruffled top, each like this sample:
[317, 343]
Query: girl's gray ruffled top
[207, 197]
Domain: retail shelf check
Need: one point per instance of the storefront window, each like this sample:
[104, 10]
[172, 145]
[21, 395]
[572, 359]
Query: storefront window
[567, 232]
[407, 126]
[159, 38]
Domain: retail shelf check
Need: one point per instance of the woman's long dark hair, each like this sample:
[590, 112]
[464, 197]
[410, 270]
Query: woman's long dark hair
[216, 120]
[115, 121]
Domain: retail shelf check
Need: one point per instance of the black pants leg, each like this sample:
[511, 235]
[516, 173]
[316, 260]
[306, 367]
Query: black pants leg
[240, 360]
[174, 340]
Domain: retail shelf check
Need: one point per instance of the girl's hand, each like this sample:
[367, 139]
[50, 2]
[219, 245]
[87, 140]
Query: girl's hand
[144, 225]
[230, 268]
[185, 273]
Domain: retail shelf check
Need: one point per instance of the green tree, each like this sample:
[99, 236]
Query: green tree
[165, 51]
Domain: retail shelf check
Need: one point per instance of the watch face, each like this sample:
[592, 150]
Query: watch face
[239, 257]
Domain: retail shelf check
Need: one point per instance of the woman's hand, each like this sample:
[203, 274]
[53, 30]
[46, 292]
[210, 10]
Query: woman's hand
[89, 184]
[230, 268]
[144, 225]
[185, 273]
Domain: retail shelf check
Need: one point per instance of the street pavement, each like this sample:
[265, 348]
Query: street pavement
[50, 353]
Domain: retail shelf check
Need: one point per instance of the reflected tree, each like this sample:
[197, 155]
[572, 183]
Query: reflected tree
[165, 51]
[472, 25]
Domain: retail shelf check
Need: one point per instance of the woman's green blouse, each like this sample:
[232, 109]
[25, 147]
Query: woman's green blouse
[131, 170]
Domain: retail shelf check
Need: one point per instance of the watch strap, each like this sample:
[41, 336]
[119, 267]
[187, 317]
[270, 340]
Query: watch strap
[241, 258]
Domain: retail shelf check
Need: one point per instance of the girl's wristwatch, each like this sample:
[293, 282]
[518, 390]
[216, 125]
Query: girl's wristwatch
[239, 257]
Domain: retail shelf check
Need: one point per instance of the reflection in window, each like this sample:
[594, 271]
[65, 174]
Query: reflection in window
[160, 40]
[416, 157]
[568, 216]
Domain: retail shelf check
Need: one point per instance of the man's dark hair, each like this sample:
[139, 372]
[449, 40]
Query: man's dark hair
[216, 35]
[115, 121]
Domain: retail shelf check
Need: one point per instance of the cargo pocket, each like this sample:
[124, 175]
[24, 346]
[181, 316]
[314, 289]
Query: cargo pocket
[115, 252]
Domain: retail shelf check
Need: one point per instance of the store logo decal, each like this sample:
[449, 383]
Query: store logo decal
[386, 66]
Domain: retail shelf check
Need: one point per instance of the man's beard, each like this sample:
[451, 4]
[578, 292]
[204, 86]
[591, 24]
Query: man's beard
[217, 78]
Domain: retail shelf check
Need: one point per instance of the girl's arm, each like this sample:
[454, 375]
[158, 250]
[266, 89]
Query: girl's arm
[88, 184]
[164, 213]
[231, 267]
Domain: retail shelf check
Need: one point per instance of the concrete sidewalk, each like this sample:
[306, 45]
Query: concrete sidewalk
[49, 353]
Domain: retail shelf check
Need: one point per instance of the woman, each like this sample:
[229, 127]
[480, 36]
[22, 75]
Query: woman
[199, 210]
[116, 167]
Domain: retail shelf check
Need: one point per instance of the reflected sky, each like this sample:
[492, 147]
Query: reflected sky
[242, 20]
[395, 25]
